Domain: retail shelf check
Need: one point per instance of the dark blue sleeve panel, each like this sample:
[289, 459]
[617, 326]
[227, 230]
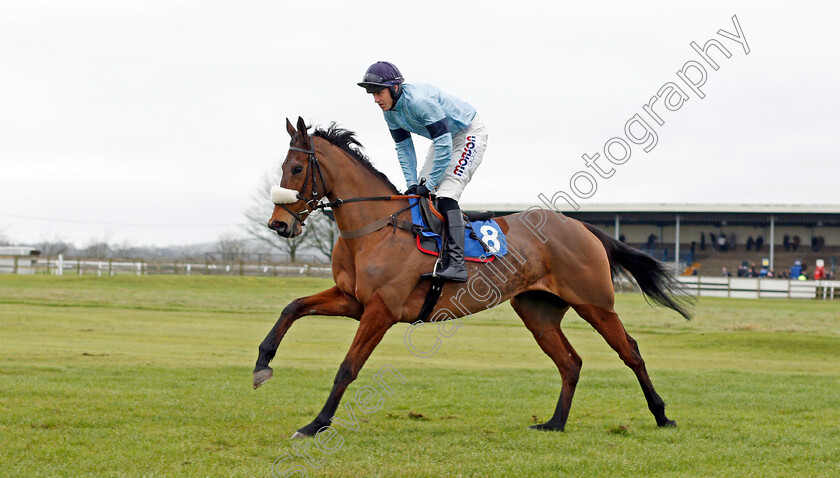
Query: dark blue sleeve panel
[438, 128]
[400, 135]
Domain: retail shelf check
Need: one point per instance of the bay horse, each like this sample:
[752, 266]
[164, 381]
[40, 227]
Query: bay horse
[554, 263]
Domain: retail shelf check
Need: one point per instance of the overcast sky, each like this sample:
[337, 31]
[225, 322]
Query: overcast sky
[154, 121]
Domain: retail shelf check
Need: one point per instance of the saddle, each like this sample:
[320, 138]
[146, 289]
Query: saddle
[483, 241]
[434, 219]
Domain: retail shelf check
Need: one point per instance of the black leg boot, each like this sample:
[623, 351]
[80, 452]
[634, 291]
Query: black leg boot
[453, 249]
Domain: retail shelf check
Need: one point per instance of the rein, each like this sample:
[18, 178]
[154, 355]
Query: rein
[385, 221]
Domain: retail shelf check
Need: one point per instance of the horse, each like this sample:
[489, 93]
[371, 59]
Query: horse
[554, 263]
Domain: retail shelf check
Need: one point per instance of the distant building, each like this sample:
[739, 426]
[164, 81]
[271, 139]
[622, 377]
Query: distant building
[676, 226]
[18, 259]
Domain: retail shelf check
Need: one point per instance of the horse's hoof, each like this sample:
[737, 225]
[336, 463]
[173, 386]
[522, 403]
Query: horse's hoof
[262, 376]
[668, 424]
[298, 436]
[546, 427]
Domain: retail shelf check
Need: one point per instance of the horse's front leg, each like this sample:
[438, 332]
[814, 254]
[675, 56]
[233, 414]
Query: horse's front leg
[329, 302]
[376, 320]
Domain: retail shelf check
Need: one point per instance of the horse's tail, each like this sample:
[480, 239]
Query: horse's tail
[655, 280]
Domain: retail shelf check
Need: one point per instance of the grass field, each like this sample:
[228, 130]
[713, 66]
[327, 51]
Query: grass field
[151, 376]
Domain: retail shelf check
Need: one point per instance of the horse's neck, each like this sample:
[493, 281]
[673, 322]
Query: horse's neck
[352, 180]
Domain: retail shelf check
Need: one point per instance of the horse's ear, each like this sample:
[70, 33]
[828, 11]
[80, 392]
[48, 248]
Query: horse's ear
[290, 128]
[301, 126]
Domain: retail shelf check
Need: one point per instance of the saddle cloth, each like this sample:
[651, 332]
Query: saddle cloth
[488, 231]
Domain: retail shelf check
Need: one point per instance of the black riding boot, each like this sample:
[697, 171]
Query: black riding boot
[452, 255]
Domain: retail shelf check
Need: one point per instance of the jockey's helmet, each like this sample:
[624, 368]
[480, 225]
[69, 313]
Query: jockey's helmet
[382, 74]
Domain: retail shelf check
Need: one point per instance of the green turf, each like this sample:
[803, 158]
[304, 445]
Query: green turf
[150, 376]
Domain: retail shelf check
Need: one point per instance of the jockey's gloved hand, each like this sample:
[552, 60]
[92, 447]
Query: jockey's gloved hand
[422, 190]
[411, 190]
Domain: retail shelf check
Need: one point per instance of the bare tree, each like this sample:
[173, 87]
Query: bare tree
[52, 247]
[96, 249]
[125, 250]
[323, 233]
[231, 246]
[4, 239]
[259, 212]
[190, 252]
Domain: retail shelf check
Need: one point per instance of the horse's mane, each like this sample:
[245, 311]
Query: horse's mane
[346, 140]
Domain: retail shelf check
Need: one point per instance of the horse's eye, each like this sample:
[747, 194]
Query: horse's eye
[297, 169]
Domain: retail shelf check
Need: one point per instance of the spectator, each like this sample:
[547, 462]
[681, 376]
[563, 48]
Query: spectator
[796, 242]
[750, 242]
[693, 246]
[753, 272]
[651, 241]
[759, 241]
[722, 243]
[712, 240]
[622, 238]
[725, 273]
[819, 273]
[702, 241]
[732, 242]
[786, 243]
[796, 270]
[818, 242]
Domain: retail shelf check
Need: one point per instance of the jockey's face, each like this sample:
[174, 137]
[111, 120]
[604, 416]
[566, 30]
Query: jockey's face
[383, 99]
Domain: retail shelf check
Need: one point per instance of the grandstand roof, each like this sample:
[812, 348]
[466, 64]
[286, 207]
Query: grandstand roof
[674, 208]
[662, 213]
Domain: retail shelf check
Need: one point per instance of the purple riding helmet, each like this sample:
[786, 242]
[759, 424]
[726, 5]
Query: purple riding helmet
[382, 74]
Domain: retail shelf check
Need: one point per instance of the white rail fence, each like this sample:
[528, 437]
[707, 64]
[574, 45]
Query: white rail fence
[112, 267]
[758, 288]
[700, 286]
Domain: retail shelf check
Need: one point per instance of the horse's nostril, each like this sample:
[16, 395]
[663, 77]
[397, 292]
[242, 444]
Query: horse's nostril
[278, 226]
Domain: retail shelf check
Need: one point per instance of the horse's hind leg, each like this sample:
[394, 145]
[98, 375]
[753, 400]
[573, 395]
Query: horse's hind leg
[541, 312]
[607, 323]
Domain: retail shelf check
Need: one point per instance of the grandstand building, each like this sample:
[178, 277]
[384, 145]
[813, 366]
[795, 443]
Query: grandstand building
[772, 236]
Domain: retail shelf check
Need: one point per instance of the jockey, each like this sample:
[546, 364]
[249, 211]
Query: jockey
[459, 140]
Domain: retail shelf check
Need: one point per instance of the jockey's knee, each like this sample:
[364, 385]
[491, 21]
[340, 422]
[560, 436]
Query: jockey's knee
[445, 205]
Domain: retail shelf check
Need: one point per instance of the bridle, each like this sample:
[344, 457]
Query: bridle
[314, 203]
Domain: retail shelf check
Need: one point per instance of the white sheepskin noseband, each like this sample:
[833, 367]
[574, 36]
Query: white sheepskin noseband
[283, 196]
